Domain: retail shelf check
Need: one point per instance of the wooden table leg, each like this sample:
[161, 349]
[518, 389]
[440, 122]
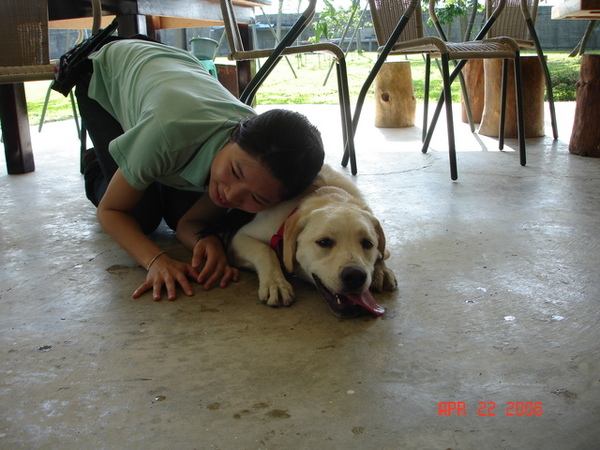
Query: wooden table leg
[131, 24]
[15, 129]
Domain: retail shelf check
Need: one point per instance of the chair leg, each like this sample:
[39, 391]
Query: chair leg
[440, 104]
[434, 119]
[341, 101]
[347, 128]
[426, 96]
[540, 53]
[447, 98]
[465, 95]
[449, 118]
[550, 94]
[247, 96]
[520, 119]
[361, 100]
[378, 63]
[502, 124]
[45, 107]
[75, 115]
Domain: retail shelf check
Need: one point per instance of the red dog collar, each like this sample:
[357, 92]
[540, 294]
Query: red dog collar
[277, 239]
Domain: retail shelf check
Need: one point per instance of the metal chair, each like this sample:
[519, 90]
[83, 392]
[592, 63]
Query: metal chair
[24, 56]
[518, 21]
[96, 22]
[399, 29]
[286, 47]
[80, 37]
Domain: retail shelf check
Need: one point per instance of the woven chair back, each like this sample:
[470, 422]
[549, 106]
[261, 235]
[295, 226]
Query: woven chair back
[386, 14]
[24, 33]
[512, 21]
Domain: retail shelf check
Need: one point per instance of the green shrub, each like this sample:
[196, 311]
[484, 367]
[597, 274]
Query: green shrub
[564, 73]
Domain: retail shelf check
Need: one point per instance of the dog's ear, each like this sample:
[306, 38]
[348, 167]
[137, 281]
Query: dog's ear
[384, 254]
[290, 235]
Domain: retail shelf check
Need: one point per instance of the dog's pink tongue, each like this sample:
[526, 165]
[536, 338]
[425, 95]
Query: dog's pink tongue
[367, 301]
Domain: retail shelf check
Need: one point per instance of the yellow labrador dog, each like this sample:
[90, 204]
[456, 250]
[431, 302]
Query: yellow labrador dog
[327, 236]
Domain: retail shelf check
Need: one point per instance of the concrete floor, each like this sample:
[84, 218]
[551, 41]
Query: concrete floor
[497, 308]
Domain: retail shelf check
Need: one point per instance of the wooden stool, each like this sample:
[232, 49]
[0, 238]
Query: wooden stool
[474, 80]
[532, 75]
[585, 139]
[395, 102]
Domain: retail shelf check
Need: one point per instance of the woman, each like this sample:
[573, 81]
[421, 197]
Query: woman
[171, 142]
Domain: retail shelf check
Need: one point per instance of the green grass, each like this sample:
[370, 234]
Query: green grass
[59, 107]
[309, 85]
[282, 88]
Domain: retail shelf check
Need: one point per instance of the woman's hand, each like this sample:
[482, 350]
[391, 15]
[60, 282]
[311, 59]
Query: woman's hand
[216, 268]
[167, 272]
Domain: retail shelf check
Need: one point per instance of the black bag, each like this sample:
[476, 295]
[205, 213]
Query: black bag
[73, 64]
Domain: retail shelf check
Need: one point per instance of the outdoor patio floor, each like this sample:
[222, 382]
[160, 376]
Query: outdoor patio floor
[497, 310]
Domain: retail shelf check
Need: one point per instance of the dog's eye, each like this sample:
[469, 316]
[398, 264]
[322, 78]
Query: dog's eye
[366, 244]
[325, 243]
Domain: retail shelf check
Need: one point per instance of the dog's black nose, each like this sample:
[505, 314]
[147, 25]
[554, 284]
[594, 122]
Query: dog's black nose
[353, 277]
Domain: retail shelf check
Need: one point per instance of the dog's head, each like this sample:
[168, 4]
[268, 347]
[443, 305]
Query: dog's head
[336, 242]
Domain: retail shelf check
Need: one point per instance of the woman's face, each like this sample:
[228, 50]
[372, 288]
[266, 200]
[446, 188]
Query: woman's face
[237, 180]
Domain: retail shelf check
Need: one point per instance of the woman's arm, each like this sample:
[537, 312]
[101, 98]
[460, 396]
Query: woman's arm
[113, 214]
[210, 248]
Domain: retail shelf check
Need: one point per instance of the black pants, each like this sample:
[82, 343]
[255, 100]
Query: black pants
[158, 202]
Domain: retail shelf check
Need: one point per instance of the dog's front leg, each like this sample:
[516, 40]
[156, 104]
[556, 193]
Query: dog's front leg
[383, 278]
[250, 253]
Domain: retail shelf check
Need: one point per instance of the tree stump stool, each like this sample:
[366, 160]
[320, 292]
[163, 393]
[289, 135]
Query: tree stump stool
[585, 139]
[474, 81]
[395, 102]
[534, 85]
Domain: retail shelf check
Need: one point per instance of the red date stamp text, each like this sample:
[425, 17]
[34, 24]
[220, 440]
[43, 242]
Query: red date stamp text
[491, 409]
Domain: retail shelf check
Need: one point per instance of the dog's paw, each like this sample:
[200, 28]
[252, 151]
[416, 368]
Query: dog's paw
[389, 280]
[276, 293]
[383, 278]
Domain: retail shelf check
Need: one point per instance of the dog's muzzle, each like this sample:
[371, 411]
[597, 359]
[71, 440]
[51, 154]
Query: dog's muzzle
[347, 305]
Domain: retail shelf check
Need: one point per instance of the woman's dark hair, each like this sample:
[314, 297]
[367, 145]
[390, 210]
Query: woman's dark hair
[287, 144]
